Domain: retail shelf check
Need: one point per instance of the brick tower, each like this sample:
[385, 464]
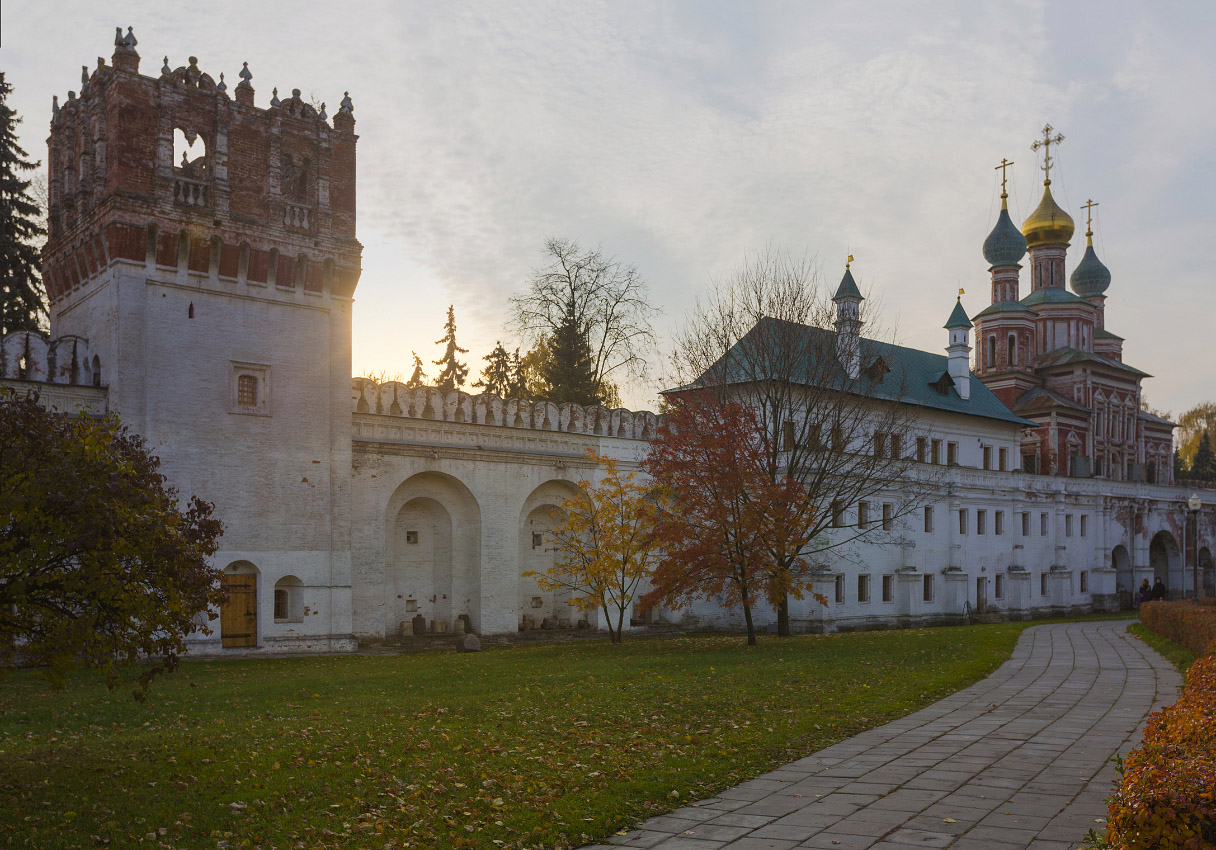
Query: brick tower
[215, 293]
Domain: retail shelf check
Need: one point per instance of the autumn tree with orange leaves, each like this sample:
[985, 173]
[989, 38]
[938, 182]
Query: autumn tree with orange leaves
[605, 545]
[725, 526]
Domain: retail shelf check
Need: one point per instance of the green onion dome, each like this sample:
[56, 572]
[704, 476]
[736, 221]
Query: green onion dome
[1005, 245]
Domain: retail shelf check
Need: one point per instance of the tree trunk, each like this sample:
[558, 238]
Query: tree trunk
[751, 627]
[783, 616]
[620, 626]
[612, 638]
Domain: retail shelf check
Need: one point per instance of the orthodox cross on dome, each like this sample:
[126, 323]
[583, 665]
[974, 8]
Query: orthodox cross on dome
[1005, 163]
[1088, 206]
[1045, 143]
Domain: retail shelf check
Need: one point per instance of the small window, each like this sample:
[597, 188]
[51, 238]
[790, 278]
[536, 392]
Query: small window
[987, 457]
[981, 521]
[411, 606]
[288, 600]
[1012, 352]
[1025, 523]
[962, 520]
[937, 451]
[282, 603]
[998, 522]
[839, 590]
[411, 537]
[888, 588]
[894, 444]
[1002, 457]
[1084, 530]
[1000, 587]
[1068, 525]
[1085, 581]
[991, 363]
[538, 539]
[1042, 584]
[928, 590]
[538, 602]
[863, 588]
[928, 520]
[922, 449]
[837, 439]
[863, 514]
[951, 453]
[880, 442]
[888, 516]
[837, 514]
[247, 390]
[1043, 525]
[787, 436]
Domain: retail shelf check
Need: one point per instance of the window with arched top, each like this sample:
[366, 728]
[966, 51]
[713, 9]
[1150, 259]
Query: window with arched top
[288, 600]
[990, 361]
[1013, 350]
[96, 371]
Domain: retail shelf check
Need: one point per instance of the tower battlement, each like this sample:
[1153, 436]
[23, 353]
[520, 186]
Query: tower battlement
[269, 199]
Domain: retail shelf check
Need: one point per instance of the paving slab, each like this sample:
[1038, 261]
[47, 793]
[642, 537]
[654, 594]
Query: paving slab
[1019, 761]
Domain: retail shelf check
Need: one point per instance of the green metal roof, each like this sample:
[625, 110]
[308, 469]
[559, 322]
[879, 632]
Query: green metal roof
[848, 287]
[1103, 333]
[1070, 356]
[958, 317]
[1051, 295]
[910, 376]
[1003, 307]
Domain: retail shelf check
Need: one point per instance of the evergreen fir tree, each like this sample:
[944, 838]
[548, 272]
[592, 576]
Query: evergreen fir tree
[22, 298]
[1203, 466]
[518, 385]
[418, 377]
[453, 373]
[496, 377]
[569, 371]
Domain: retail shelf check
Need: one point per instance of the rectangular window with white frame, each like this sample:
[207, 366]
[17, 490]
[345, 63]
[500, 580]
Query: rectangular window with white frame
[888, 588]
[863, 588]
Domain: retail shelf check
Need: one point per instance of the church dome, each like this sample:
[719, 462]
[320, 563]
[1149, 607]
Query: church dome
[1048, 224]
[1005, 245]
[1090, 277]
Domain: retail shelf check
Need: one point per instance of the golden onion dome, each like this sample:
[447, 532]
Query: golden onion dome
[1048, 224]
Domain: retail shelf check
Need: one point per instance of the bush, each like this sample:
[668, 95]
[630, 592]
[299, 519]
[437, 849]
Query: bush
[1184, 623]
[1167, 796]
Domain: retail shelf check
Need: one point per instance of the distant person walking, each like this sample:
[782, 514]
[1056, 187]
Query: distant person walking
[1158, 590]
[1146, 592]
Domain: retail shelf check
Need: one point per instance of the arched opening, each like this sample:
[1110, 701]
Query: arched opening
[189, 153]
[96, 371]
[433, 570]
[289, 600]
[239, 610]
[1012, 353]
[1166, 563]
[990, 360]
[1207, 572]
[1125, 579]
[538, 553]
[183, 251]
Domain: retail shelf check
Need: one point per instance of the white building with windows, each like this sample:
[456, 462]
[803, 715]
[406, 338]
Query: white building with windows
[209, 305]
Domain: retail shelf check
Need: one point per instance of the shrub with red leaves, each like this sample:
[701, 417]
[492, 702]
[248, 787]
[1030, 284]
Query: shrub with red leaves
[1186, 624]
[1166, 799]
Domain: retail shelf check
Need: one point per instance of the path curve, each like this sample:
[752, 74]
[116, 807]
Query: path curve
[1018, 760]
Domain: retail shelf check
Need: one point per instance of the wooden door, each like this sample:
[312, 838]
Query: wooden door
[239, 611]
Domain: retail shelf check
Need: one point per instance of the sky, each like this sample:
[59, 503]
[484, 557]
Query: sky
[683, 137]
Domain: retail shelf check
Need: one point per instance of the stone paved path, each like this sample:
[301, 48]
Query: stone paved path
[1019, 760]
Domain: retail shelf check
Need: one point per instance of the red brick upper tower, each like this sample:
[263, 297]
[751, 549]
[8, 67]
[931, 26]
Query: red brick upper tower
[270, 199]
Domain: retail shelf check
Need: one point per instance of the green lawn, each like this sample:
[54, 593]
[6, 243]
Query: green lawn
[525, 747]
[1176, 654]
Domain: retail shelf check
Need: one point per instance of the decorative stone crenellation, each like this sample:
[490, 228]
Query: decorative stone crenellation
[393, 398]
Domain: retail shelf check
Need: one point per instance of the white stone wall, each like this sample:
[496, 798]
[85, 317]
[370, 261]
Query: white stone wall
[170, 344]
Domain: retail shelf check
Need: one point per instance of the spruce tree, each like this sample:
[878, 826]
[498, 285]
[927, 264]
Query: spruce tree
[1203, 466]
[418, 377]
[496, 377]
[453, 373]
[518, 385]
[569, 371]
[22, 298]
